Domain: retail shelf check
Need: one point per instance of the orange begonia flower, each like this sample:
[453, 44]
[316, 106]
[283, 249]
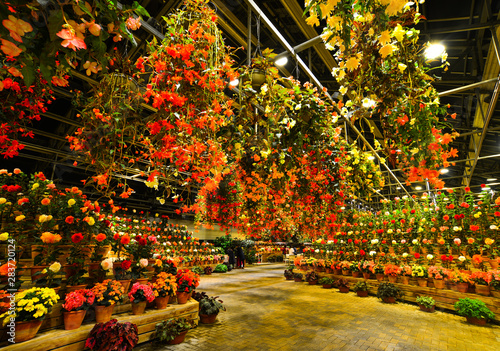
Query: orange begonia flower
[9, 48]
[71, 40]
[17, 27]
[49, 238]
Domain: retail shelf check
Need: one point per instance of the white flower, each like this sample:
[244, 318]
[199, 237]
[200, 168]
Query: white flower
[317, 250]
[405, 254]
[403, 241]
[414, 241]
[430, 257]
[143, 262]
[493, 227]
[373, 253]
[461, 258]
[55, 267]
[394, 242]
[374, 241]
[457, 229]
[107, 264]
[389, 231]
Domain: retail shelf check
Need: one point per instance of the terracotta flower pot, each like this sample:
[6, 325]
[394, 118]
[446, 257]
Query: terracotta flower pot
[405, 280]
[392, 278]
[337, 271]
[476, 321]
[208, 318]
[426, 309]
[346, 272]
[356, 274]
[35, 270]
[73, 320]
[367, 275]
[422, 282]
[344, 290]
[439, 283]
[172, 299]
[327, 286]
[27, 330]
[362, 293]
[161, 302]
[462, 287]
[141, 280]
[483, 290]
[289, 278]
[125, 283]
[183, 297]
[103, 313]
[139, 307]
[380, 276]
[297, 280]
[179, 338]
[313, 282]
[328, 270]
[71, 288]
[389, 299]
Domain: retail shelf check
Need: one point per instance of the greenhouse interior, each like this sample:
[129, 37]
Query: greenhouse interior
[249, 175]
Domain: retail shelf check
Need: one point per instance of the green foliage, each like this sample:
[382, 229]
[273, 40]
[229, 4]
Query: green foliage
[220, 268]
[225, 242]
[250, 255]
[360, 286]
[209, 305]
[297, 276]
[288, 273]
[197, 269]
[342, 283]
[388, 290]
[275, 258]
[311, 276]
[426, 301]
[326, 281]
[473, 308]
[167, 330]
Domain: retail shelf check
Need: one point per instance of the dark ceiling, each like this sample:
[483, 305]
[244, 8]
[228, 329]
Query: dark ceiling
[465, 27]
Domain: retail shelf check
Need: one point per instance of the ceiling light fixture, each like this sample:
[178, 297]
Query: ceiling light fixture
[418, 188]
[281, 61]
[234, 82]
[371, 157]
[491, 179]
[434, 51]
[444, 171]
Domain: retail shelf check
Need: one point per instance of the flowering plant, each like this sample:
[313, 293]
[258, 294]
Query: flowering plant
[141, 292]
[108, 292]
[79, 300]
[392, 269]
[495, 281]
[437, 272]
[122, 271]
[406, 271]
[187, 281]
[49, 251]
[354, 267]
[378, 269]
[367, 266]
[31, 304]
[481, 278]
[460, 277]
[49, 277]
[165, 285]
[463, 262]
[139, 268]
[419, 271]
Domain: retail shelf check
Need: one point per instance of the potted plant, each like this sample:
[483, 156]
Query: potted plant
[343, 285]
[405, 274]
[75, 307]
[297, 277]
[361, 289]
[139, 296]
[207, 270]
[474, 310]
[220, 268]
[426, 303]
[113, 336]
[312, 277]
[107, 294]
[388, 292]
[482, 281]
[209, 307]
[31, 307]
[438, 274]
[367, 268]
[327, 282]
[392, 271]
[421, 273]
[122, 273]
[461, 281]
[187, 281]
[172, 331]
[378, 269]
[288, 274]
[495, 283]
[197, 269]
[164, 287]
[355, 270]
[50, 277]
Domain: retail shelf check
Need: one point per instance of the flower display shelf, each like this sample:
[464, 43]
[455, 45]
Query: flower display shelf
[445, 298]
[74, 340]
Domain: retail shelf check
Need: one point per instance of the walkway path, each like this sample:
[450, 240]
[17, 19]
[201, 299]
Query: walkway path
[265, 312]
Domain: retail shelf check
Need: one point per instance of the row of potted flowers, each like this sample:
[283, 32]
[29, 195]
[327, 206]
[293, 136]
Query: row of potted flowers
[33, 305]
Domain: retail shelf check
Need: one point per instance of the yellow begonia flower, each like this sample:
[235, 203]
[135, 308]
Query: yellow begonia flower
[20, 218]
[71, 202]
[36, 185]
[399, 33]
[2, 200]
[4, 236]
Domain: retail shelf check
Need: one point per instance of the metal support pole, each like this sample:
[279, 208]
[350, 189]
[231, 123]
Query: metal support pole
[467, 87]
[249, 36]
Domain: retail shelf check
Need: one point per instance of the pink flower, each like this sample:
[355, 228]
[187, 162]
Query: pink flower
[143, 262]
[457, 241]
[71, 41]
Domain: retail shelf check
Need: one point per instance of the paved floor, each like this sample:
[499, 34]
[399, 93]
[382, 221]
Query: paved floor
[265, 312]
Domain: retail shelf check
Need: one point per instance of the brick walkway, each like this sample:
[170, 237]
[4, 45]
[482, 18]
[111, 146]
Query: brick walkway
[265, 312]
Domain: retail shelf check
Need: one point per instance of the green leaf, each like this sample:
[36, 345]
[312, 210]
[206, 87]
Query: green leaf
[28, 72]
[139, 9]
[126, 32]
[56, 22]
[81, 5]
[46, 66]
